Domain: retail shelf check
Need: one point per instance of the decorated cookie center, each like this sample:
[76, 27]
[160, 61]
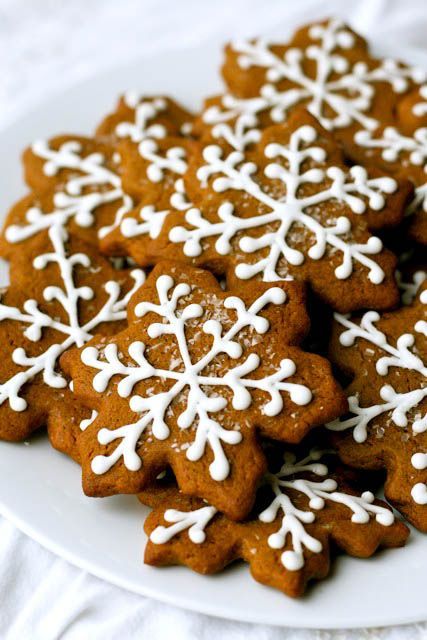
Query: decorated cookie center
[202, 412]
[287, 213]
[339, 93]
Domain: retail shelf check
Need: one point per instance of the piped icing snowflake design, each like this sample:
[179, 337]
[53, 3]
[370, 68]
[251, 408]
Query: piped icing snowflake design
[148, 219]
[202, 403]
[404, 355]
[298, 507]
[92, 185]
[162, 155]
[339, 92]
[409, 288]
[150, 118]
[146, 133]
[420, 108]
[293, 519]
[173, 160]
[295, 198]
[404, 154]
[144, 125]
[194, 522]
[195, 376]
[36, 321]
[401, 355]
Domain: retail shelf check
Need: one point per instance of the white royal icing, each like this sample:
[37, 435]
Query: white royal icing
[409, 289]
[200, 404]
[75, 201]
[144, 112]
[151, 218]
[151, 223]
[179, 198]
[419, 490]
[283, 485]
[173, 160]
[346, 189]
[402, 407]
[146, 134]
[84, 424]
[194, 522]
[396, 146]
[69, 296]
[340, 93]
[420, 108]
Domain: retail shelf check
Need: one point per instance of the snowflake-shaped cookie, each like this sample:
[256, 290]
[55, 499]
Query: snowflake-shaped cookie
[150, 136]
[325, 67]
[79, 181]
[328, 68]
[301, 507]
[188, 384]
[76, 183]
[289, 208]
[387, 426]
[402, 152]
[138, 117]
[61, 293]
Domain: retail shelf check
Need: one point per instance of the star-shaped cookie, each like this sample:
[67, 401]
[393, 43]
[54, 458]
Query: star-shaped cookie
[190, 383]
[305, 503]
[386, 356]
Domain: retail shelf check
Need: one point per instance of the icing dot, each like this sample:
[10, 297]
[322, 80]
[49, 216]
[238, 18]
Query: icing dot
[292, 560]
[419, 493]
[276, 541]
[419, 461]
[197, 536]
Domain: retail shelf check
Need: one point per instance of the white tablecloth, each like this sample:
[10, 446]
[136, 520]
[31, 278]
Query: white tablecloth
[45, 44]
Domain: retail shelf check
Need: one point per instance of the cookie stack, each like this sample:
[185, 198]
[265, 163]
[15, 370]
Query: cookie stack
[205, 311]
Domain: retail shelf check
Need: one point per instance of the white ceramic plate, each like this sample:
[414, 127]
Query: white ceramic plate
[40, 489]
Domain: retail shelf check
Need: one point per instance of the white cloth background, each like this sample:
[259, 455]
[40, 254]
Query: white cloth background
[46, 44]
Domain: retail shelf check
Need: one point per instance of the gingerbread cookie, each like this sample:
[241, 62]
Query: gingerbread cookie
[154, 155]
[380, 104]
[138, 117]
[150, 140]
[288, 208]
[61, 292]
[191, 380]
[76, 183]
[401, 150]
[325, 67]
[387, 357]
[79, 179]
[303, 505]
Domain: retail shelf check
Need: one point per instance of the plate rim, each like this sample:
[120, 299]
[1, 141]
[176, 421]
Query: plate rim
[178, 599]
